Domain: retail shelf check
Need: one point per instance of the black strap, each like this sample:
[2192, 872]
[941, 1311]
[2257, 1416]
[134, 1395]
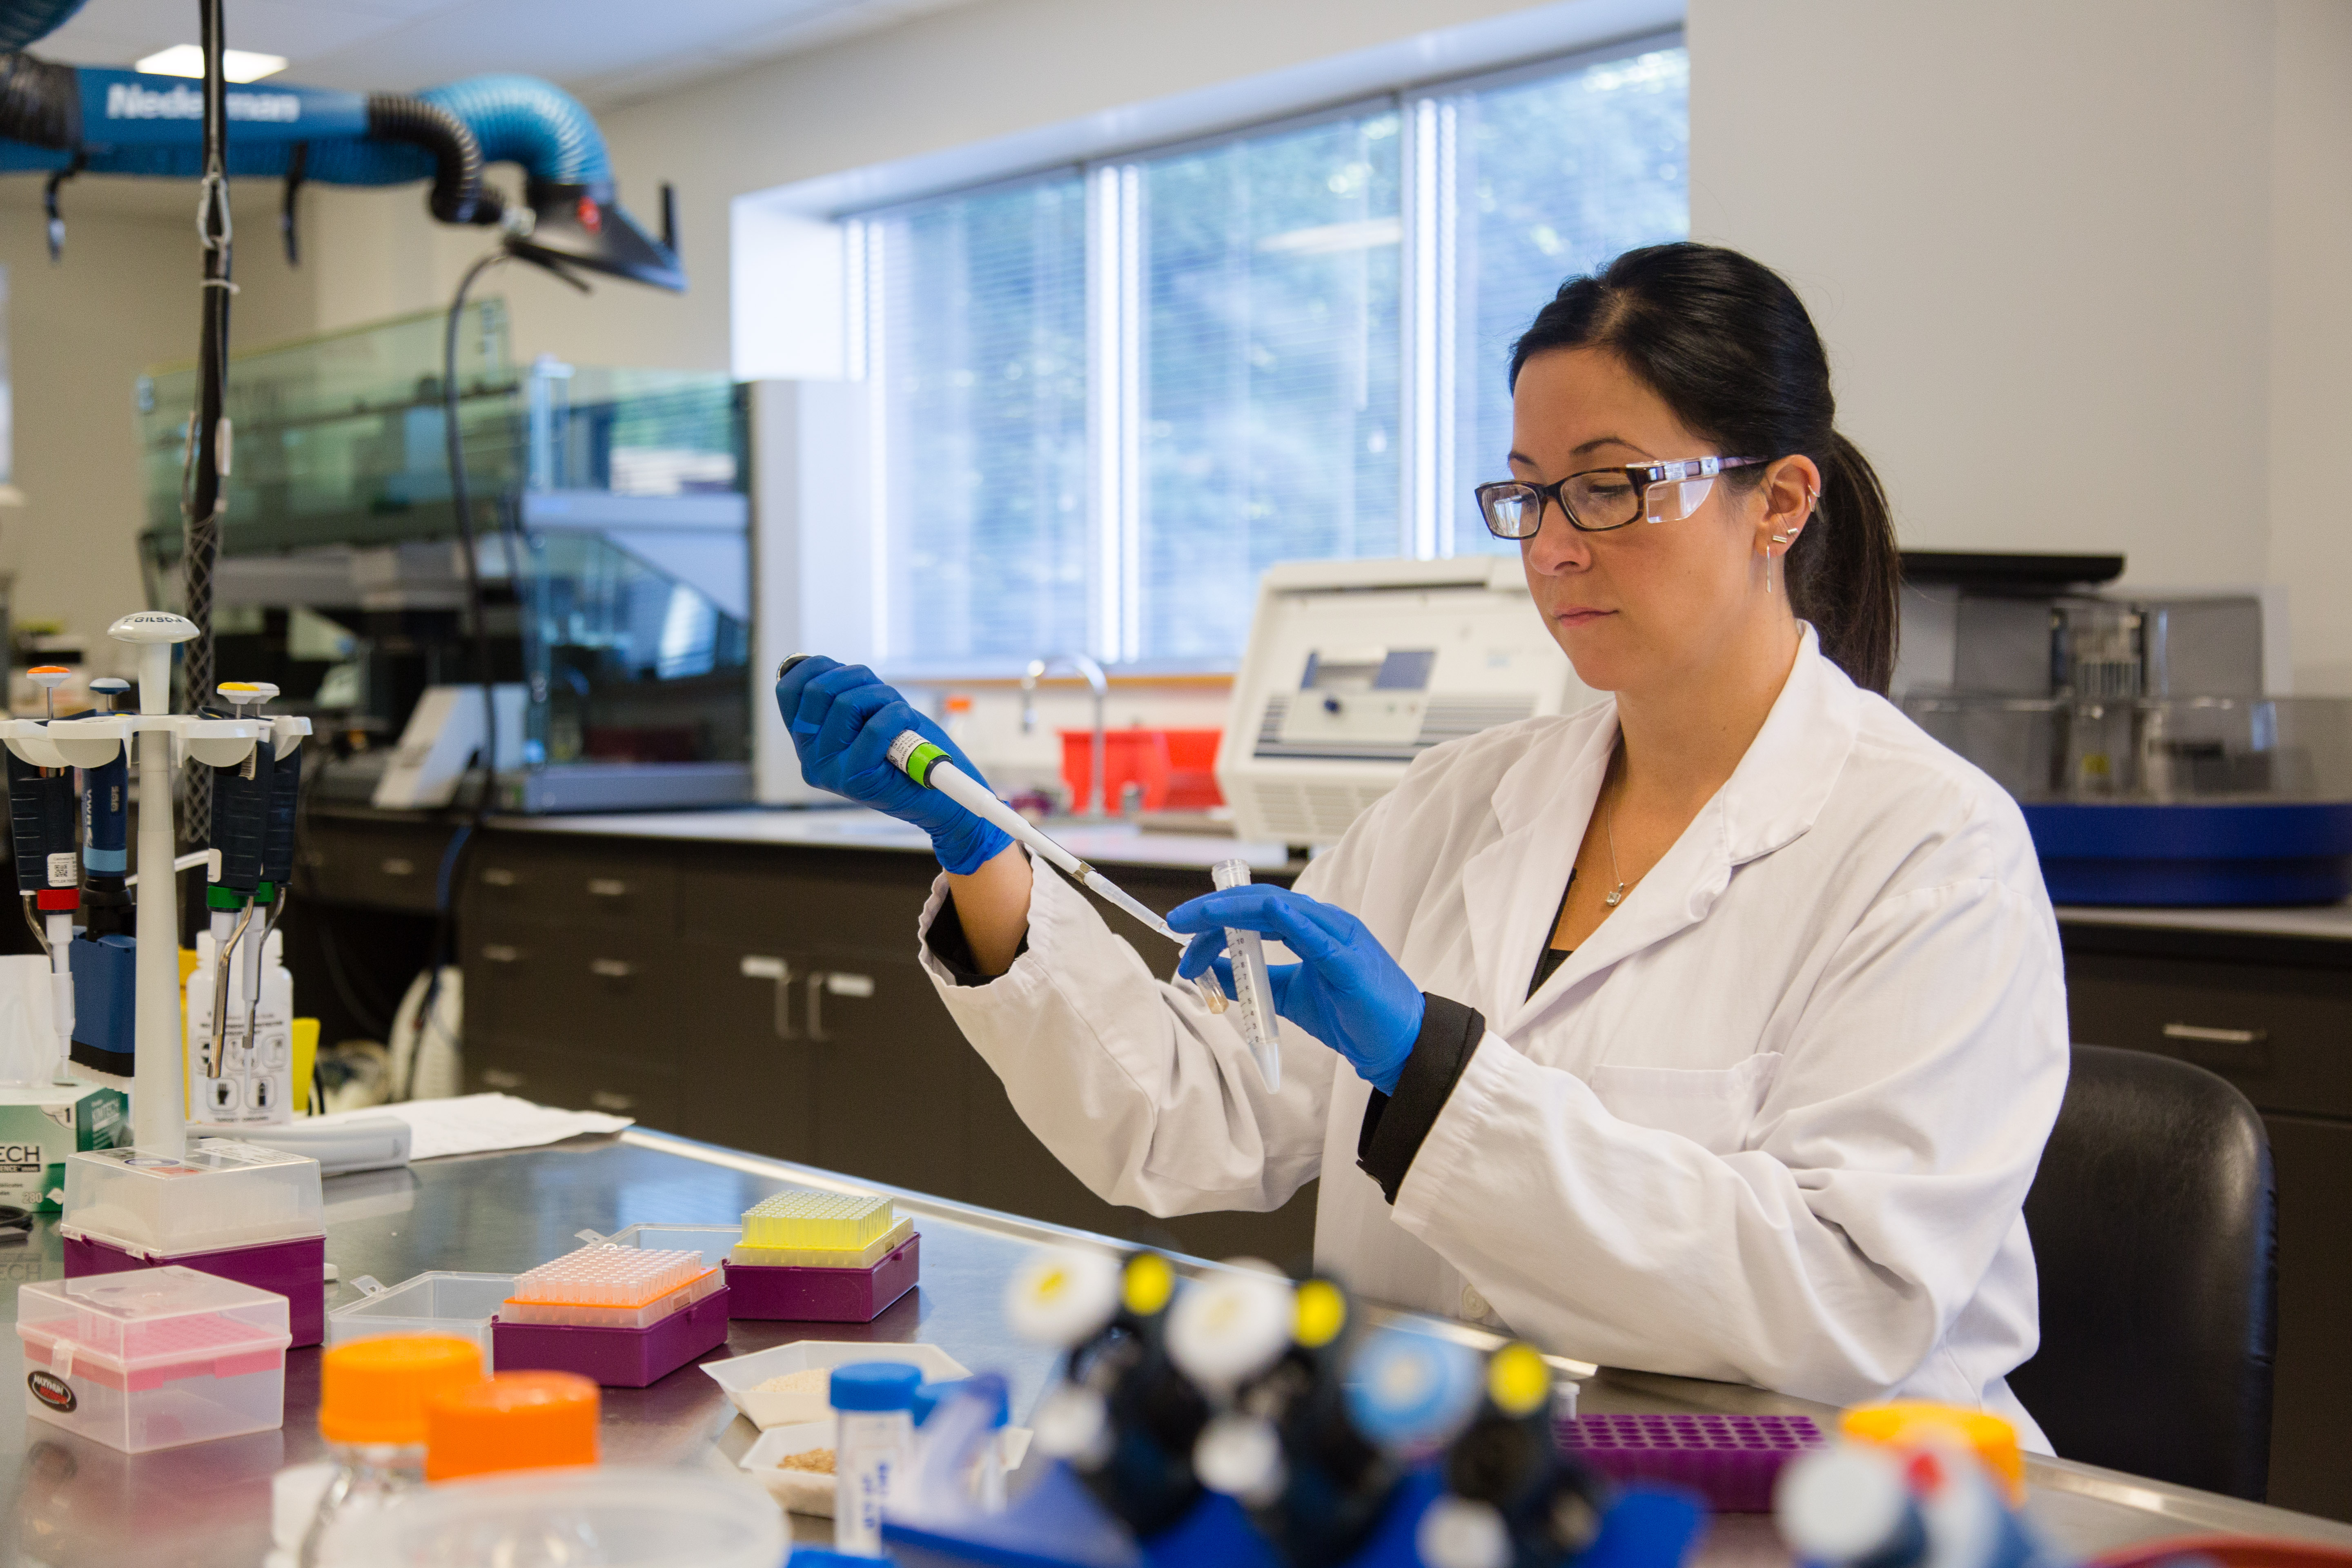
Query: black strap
[1395, 1126]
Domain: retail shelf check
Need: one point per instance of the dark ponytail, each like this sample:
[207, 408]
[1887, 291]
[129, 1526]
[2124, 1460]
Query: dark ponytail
[1728, 345]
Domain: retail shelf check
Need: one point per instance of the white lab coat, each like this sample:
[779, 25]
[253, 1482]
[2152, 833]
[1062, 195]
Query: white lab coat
[1773, 1121]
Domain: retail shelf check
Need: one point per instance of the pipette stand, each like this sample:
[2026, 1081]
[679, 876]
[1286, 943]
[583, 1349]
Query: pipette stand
[159, 1202]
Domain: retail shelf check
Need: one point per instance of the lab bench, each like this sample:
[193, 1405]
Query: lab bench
[79, 1505]
[749, 977]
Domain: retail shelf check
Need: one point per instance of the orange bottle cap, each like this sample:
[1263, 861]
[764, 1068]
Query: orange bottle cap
[374, 1391]
[1902, 1422]
[515, 1421]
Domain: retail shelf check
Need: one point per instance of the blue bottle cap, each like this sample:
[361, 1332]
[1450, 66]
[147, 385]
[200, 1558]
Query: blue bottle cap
[875, 1385]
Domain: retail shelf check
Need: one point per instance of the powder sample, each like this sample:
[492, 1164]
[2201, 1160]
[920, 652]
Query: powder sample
[815, 1379]
[816, 1461]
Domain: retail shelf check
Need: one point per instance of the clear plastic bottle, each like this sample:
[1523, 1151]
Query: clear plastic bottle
[874, 1403]
[371, 1399]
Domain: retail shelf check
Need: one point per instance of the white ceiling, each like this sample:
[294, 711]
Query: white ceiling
[606, 52]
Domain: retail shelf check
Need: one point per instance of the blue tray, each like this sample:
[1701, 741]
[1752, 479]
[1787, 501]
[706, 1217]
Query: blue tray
[2287, 852]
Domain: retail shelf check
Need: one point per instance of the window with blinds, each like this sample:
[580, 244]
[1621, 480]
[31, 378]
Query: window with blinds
[1107, 398]
[976, 337]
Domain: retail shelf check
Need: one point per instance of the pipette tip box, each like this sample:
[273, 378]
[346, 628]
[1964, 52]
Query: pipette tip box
[153, 1359]
[235, 1211]
[796, 1294]
[1731, 1460]
[626, 1316]
[617, 1358]
[825, 1258]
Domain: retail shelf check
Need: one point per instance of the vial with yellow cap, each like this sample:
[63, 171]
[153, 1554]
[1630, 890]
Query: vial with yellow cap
[372, 1395]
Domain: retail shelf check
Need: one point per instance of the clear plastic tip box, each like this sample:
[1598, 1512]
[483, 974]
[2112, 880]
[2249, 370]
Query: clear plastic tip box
[154, 1358]
[220, 1193]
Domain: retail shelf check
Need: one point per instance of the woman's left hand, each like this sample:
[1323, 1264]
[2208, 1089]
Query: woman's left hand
[1346, 991]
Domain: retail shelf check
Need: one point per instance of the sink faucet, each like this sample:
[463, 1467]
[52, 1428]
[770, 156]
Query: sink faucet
[1099, 685]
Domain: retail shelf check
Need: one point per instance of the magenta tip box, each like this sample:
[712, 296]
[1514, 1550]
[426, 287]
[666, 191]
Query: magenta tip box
[624, 1316]
[1730, 1460]
[236, 1211]
[822, 1258]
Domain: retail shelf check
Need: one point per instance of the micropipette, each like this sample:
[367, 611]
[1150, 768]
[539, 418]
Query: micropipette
[928, 767]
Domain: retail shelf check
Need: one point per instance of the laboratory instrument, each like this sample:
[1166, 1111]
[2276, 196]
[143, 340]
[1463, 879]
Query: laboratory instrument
[622, 671]
[1260, 1026]
[1356, 667]
[513, 1421]
[929, 767]
[624, 1316]
[822, 1258]
[102, 963]
[2136, 731]
[240, 998]
[153, 1360]
[874, 1446]
[371, 1400]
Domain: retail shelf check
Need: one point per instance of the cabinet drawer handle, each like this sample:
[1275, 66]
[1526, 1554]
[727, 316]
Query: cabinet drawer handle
[611, 968]
[606, 1099]
[395, 865]
[849, 984]
[499, 1078]
[497, 877]
[498, 952]
[2199, 1033]
[608, 887]
[762, 966]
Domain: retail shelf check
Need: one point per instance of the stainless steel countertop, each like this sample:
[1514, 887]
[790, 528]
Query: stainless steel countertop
[76, 1504]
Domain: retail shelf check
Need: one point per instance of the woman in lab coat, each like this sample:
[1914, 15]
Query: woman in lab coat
[1715, 1030]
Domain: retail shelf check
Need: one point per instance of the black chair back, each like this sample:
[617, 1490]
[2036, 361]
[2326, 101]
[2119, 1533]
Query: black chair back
[2154, 1228]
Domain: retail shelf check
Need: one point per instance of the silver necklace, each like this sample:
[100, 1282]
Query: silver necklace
[1615, 895]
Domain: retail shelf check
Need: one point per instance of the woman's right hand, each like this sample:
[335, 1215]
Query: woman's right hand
[842, 720]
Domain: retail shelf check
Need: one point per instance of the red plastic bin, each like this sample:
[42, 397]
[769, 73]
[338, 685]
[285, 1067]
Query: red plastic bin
[1177, 768]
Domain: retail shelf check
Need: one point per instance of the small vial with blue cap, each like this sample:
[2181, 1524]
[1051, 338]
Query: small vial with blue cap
[873, 1405]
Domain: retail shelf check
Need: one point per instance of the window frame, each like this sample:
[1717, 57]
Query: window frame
[1426, 419]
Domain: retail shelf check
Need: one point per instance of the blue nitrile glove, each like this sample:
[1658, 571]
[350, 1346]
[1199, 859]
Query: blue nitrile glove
[842, 720]
[1346, 991]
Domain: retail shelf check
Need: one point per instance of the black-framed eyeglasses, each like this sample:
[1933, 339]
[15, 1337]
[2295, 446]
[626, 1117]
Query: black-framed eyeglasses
[1599, 500]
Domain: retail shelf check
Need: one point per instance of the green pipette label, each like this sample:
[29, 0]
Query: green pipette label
[914, 757]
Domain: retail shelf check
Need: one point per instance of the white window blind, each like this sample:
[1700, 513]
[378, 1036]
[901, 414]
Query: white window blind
[977, 339]
[1107, 398]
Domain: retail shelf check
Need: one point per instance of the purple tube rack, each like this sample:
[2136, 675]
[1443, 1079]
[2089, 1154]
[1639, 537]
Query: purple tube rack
[296, 1269]
[1731, 1460]
[767, 1290]
[616, 1358]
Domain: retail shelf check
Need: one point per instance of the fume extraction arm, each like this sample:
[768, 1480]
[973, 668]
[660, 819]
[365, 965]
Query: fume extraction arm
[73, 120]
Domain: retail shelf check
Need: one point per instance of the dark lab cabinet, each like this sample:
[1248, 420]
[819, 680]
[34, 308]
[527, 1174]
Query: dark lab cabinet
[767, 997]
[2274, 1016]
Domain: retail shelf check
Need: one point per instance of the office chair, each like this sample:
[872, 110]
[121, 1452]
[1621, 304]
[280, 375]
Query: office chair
[2154, 1226]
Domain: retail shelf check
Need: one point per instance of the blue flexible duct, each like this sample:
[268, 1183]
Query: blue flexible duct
[522, 119]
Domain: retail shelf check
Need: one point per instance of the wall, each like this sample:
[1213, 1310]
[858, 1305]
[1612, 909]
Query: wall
[2079, 266]
[123, 299]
